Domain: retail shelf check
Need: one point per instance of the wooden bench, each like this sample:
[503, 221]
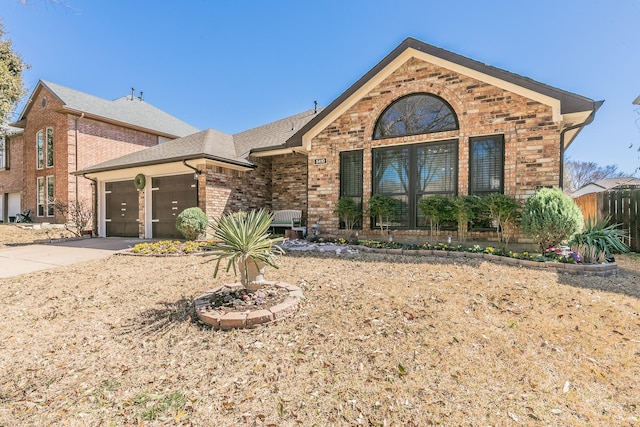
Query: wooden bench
[285, 218]
[291, 219]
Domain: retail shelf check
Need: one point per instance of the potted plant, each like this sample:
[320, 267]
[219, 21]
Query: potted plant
[246, 246]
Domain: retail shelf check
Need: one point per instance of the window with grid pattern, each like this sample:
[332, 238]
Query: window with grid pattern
[411, 172]
[486, 165]
[415, 114]
[351, 178]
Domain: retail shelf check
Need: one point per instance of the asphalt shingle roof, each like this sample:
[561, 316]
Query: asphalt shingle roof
[124, 110]
[569, 102]
[209, 143]
[272, 134]
[212, 144]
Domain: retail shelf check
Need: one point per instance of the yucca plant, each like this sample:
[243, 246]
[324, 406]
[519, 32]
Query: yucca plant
[246, 245]
[597, 240]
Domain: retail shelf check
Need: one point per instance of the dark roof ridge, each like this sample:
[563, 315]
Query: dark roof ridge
[569, 102]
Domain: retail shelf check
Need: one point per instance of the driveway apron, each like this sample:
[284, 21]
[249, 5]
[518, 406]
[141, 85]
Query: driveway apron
[26, 259]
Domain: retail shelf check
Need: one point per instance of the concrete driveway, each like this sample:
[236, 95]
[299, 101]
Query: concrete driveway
[26, 259]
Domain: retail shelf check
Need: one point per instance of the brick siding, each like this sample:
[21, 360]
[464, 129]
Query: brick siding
[532, 157]
[227, 190]
[78, 143]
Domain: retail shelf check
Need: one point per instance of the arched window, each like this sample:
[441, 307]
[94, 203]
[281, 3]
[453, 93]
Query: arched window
[414, 115]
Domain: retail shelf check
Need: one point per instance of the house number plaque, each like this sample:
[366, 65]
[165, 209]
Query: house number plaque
[320, 161]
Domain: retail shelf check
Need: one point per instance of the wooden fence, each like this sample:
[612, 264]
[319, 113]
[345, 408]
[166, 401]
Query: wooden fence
[621, 206]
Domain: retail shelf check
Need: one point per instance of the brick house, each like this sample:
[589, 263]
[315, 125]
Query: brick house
[423, 121]
[11, 173]
[62, 130]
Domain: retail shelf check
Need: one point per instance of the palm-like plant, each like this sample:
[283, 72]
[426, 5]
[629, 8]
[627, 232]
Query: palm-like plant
[246, 244]
[598, 240]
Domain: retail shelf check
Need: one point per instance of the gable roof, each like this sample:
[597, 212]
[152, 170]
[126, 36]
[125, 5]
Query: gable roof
[272, 134]
[562, 101]
[208, 144]
[124, 111]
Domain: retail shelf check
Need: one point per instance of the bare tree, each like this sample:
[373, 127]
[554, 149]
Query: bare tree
[78, 215]
[577, 174]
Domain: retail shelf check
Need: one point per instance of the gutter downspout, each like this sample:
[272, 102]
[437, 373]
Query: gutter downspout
[76, 154]
[562, 132]
[95, 202]
[198, 172]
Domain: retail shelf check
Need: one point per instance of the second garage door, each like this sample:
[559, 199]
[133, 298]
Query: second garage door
[170, 196]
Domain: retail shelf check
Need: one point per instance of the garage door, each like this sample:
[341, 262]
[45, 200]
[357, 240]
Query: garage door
[121, 209]
[170, 196]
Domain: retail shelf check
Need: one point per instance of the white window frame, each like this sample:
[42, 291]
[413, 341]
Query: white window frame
[40, 195]
[50, 199]
[47, 141]
[3, 152]
[40, 149]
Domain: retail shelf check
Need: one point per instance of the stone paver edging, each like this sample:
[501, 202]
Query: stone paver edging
[608, 269]
[250, 318]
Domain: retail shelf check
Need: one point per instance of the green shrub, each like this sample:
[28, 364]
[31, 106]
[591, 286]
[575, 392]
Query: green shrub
[349, 212]
[192, 222]
[504, 212]
[382, 208]
[598, 241]
[551, 217]
[463, 211]
[437, 209]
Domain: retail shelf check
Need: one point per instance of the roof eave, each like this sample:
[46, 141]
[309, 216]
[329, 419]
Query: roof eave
[75, 112]
[411, 47]
[276, 150]
[236, 164]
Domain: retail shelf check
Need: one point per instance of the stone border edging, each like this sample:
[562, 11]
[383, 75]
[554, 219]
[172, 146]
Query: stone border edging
[250, 318]
[604, 270]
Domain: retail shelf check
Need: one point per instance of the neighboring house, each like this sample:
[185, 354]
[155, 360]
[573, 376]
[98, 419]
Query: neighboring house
[423, 121]
[607, 184]
[62, 131]
[11, 173]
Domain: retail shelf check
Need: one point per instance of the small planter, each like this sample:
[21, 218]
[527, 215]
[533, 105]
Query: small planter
[255, 275]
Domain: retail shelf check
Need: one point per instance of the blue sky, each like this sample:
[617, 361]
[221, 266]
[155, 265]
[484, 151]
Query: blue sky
[234, 65]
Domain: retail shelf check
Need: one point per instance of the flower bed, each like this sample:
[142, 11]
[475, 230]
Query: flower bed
[561, 259]
[170, 248]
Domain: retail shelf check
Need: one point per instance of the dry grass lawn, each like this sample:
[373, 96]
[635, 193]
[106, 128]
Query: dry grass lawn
[379, 341]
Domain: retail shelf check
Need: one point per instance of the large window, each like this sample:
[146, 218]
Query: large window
[40, 196]
[50, 196]
[410, 172]
[351, 178]
[415, 114]
[486, 165]
[40, 150]
[44, 148]
[49, 147]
